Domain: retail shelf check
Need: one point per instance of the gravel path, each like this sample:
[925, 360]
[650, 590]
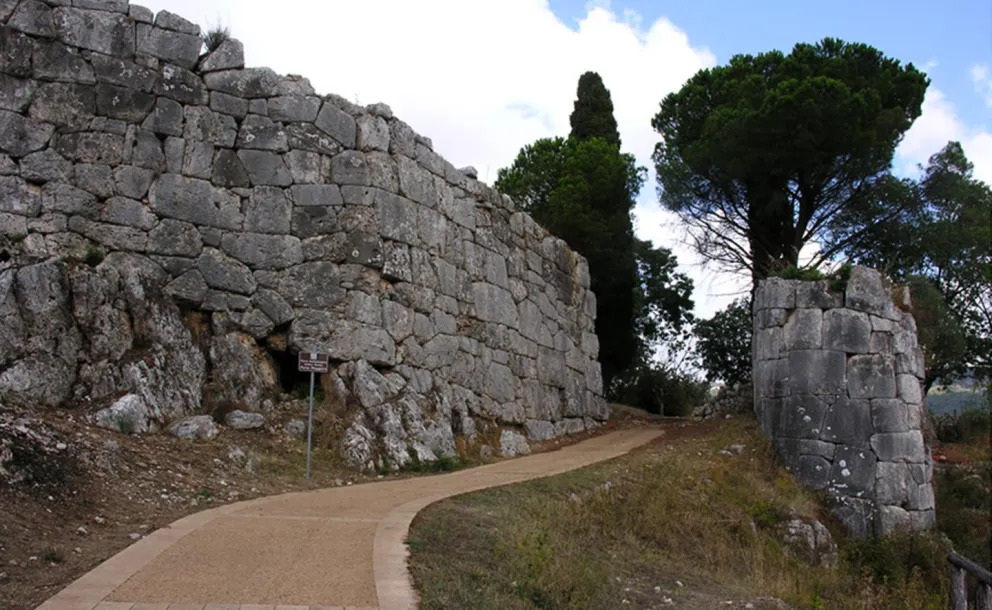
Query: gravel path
[327, 549]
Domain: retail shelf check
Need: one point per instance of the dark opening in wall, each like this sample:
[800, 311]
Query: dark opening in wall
[291, 379]
[4, 256]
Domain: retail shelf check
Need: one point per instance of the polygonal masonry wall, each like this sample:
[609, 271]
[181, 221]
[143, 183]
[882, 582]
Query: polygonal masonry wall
[837, 387]
[172, 221]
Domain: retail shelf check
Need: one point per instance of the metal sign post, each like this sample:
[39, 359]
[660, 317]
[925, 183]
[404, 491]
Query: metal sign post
[312, 363]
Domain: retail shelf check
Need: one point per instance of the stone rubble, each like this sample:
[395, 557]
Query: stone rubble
[837, 387]
[176, 226]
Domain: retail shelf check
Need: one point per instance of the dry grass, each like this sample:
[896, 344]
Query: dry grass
[622, 533]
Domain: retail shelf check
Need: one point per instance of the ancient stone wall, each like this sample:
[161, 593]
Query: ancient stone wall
[837, 387]
[173, 221]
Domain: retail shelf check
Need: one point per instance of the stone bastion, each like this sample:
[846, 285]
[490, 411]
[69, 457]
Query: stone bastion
[177, 227]
[837, 388]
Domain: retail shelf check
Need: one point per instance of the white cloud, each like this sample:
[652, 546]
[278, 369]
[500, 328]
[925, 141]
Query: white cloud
[483, 79]
[938, 124]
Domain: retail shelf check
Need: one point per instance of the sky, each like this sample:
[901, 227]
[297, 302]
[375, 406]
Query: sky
[483, 78]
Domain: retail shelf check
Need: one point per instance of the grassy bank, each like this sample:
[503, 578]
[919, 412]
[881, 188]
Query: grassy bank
[674, 524]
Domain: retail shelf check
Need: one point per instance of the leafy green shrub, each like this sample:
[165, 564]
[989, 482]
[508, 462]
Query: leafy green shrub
[962, 427]
[724, 343]
[840, 278]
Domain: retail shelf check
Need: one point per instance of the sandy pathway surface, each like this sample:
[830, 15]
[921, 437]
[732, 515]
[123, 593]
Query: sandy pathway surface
[333, 548]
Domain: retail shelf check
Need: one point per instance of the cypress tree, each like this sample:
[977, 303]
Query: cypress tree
[592, 116]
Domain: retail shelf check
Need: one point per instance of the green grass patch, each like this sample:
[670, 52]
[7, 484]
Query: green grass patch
[624, 534]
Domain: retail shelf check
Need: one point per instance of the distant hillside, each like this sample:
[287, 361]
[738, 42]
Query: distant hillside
[946, 402]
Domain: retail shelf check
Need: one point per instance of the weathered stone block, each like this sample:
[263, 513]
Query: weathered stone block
[308, 167]
[111, 236]
[273, 305]
[188, 287]
[178, 48]
[265, 168]
[871, 376]
[803, 329]
[416, 183]
[775, 293]
[230, 55]
[17, 197]
[908, 389]
[181, 85]
[268, 211]
[853, 473]
[313, 221]
[892, 483]
[46, 165]
[801, 417]
[866, 292]
[317, 195]
[899, 446]
[337, 124]
[175, 238]
[294, 108]
[249, 83]
[202, 124]
[67, 105]
[312, 285]
[551, 367]
[166, 118]
[891, 520]
[55, 197]
[259, 132]
[16, 93]
[33, 17]
[847, 331]
[21, 135]
[100, 31]
[848, 422]
[372, 133]
[812, 471]
[127, 212]
[228, 104]
[817, 295]
[364, 249]
[261, 251]
[817, 372]
[890, 415]
[192, 200]
[305, 136]
[224, 273]
[90, 147]
[495, 304]
[228, 170]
